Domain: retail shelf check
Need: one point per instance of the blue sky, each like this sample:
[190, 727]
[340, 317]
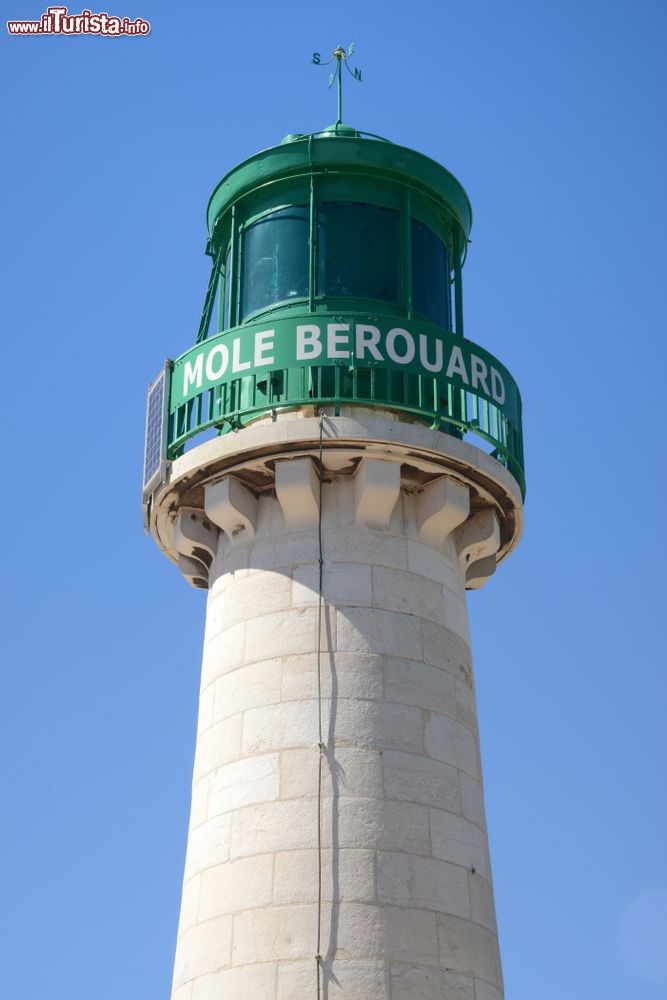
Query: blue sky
[552, 116]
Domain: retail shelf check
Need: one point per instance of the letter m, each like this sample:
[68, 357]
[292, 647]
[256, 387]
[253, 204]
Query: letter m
[192, 374]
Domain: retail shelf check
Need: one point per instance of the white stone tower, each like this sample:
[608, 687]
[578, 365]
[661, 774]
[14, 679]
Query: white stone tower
[337, 844]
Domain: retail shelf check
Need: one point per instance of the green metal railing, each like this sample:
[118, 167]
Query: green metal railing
[232, 404]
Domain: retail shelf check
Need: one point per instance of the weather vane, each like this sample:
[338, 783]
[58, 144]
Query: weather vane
[340, 56]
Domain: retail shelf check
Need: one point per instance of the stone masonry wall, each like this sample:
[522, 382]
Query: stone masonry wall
[408, 909]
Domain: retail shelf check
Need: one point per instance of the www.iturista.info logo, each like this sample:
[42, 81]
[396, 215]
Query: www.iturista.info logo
[58, 21]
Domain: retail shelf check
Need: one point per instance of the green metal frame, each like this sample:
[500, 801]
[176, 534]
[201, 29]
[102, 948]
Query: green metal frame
[339, 164]
[234, 404]
[339, 153]
[206, 392]
[320, 191]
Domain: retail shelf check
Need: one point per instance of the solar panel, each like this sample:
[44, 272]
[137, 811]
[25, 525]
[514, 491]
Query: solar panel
[155, 451]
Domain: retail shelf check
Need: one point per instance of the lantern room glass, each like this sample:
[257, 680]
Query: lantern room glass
[275, 259]
[358, 251]
[430, 276]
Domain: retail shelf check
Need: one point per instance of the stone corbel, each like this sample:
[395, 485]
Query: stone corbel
[478, 540]
[479, 572]
[298, 492]
[377, 486]
[194, 571]
[233, 508]
[441, 507]
[195, 536]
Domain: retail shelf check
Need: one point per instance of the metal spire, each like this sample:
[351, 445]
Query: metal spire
[341, 57]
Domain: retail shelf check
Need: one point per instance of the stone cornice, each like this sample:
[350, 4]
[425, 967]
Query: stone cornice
[457, 490]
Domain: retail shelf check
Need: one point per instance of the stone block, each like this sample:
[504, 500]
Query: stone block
[466, 704]
[338, 496]
[274, 826]
[348, 675]
[358, 931]
[223, 651]
[347, 875]
[446, 649]
[260, 592]
[218, 745]
[205, 714]
[399, 590]
[485, 991]
[253, 982]
[281, 634]
[373, 933]
[448, 740]
[358, 771]
[285, 932]
[281, 726]
[415, 983]
[189, 903]
[224, 573]
[213, 624]
[243, 783]
[237, 885]
[208, 845]
[247, 687]
[410, 682]
[378, 724]
[481, 901]
[285, 551]
[270, 520]
[468, 948]
[456, 616]
[419, 779]
[231, 562]
[407, 880]
[472, 800]
[434, 564]
[374, 548]
[299, 769]
[199, 802]
[182, 992]
[203, 949]
[456, 839]
[354, 979]
[377, 824]
[411, 936]
[355, 772]
[364, 630]
[342, 584]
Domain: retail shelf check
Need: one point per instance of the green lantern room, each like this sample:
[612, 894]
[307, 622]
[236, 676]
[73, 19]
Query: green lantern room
[336, 281]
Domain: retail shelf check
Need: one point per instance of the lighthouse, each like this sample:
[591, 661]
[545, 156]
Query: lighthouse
[337, 465]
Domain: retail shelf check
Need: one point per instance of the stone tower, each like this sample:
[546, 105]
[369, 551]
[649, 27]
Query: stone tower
[309, 462]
